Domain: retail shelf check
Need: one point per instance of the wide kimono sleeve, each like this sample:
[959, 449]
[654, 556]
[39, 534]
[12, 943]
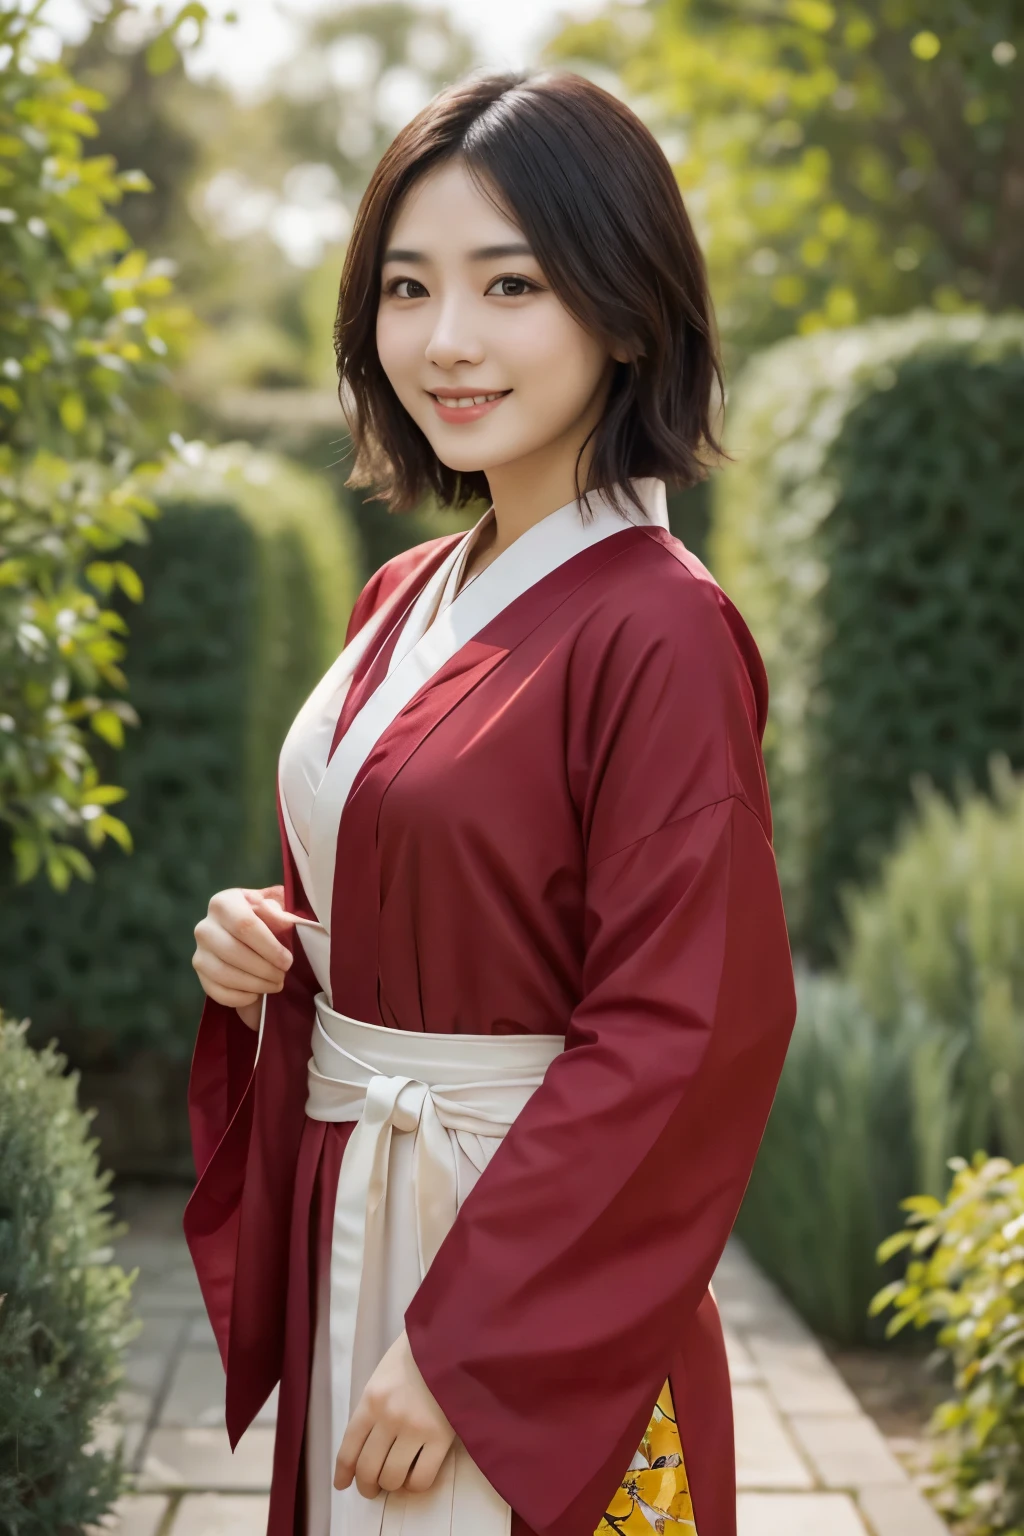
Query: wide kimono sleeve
[548, 1321]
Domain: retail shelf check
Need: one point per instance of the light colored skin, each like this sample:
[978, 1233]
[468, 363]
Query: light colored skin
[452, 322]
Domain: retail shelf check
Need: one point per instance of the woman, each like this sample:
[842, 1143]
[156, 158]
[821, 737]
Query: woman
[541, 954]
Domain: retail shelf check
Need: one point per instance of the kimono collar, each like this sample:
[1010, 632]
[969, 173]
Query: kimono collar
[432, 635]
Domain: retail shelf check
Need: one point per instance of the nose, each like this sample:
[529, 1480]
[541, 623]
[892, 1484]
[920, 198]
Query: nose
[454, 338]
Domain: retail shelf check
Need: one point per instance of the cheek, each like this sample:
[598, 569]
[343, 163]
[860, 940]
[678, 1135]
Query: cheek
[397, 352]
[553, 359]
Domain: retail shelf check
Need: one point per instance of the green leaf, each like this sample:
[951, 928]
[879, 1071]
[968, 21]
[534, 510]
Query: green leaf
[104, 794]
[108, 725]
[28, 858]
[101, 574]
[884, 1297]
[922, 1205]
[892, 1245]
[57, 869]
[117, 830]
[162, 53]
[129, 582]
[72, 412]
[77, 862]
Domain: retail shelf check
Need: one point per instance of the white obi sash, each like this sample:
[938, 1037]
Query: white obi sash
[431, 1110]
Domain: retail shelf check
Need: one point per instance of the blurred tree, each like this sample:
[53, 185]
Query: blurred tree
[86, 327]
[254, 199]
[840, 158]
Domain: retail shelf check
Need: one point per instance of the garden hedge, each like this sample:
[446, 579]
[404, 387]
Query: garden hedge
[871, 533]
[250, 576]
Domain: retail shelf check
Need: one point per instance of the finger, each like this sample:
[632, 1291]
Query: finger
[399, 1460]
[372, 1457]
[278, 919]
[255, 895]
[219, 942]
[219, 974]
[356, 1431]
[230, 998]
[425, 1469]
[253, 932]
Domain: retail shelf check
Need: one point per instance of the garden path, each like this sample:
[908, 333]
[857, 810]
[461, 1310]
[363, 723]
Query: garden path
[810, 1461]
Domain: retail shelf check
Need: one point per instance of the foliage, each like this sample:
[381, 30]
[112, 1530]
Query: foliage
[941, 937]
[835, 1159]
[871, 535]
[250, 575]
[63, 1303]
[254, 198]
[86, 326]
[966, 1276]
[841, 158]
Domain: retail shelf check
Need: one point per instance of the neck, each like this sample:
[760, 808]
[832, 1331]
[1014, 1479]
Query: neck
[530, 488]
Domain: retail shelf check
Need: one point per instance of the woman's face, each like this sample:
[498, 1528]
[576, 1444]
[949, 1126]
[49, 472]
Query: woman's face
[481, 353]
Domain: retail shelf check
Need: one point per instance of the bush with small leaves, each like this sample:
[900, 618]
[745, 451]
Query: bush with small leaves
[64, 1305]
[87, 326]
[965, 1278]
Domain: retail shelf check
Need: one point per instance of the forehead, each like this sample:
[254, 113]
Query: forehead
[447, 211]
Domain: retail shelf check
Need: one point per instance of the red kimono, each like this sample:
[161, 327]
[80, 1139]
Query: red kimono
[566, 829]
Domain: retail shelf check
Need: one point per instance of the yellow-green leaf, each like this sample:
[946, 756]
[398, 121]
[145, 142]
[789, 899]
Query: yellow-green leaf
[117, 830]
[107, 725]
[101, 574]
[105, 794]
[162, 54]
[28, 857]
[129, 581]
[72, 412]
[892, 1245]
[57, 871]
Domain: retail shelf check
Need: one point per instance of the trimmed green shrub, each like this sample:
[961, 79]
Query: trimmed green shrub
[939, 938]
[250, 577]
[966, 1277]
[64, 1306]
[835, 1160]
[871, 532]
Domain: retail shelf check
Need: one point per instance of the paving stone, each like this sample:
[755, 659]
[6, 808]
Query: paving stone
[742, 1368]
[144, 1374]
[201, 1459]
[201, 1334]
[209, 1514]
[847, 1451]
[134, 1515]
[196, 1394]
[797, 1514]
[800, 1375]
[900, 1512]
[765, 1454]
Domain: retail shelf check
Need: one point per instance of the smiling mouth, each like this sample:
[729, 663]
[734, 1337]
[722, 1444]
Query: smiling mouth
[465, 402]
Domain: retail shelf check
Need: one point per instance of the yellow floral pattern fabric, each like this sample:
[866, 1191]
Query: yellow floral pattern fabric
[654, 1494]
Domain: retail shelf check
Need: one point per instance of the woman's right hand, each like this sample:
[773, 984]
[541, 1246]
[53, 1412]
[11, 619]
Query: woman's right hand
[238, 956]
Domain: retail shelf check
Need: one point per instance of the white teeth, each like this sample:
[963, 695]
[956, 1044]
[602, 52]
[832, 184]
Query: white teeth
[462, 401]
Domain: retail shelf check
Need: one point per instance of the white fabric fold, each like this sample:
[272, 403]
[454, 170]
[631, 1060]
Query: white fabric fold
[431, 1112]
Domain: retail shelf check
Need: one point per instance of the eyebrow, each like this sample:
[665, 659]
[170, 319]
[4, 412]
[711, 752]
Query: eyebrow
[483, 253]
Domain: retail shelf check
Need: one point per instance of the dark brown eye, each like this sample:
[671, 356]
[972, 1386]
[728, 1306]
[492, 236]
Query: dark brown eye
[511, 287]
[398, 283]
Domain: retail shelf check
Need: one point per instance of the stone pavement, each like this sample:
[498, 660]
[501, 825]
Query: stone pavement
[810, 1462]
